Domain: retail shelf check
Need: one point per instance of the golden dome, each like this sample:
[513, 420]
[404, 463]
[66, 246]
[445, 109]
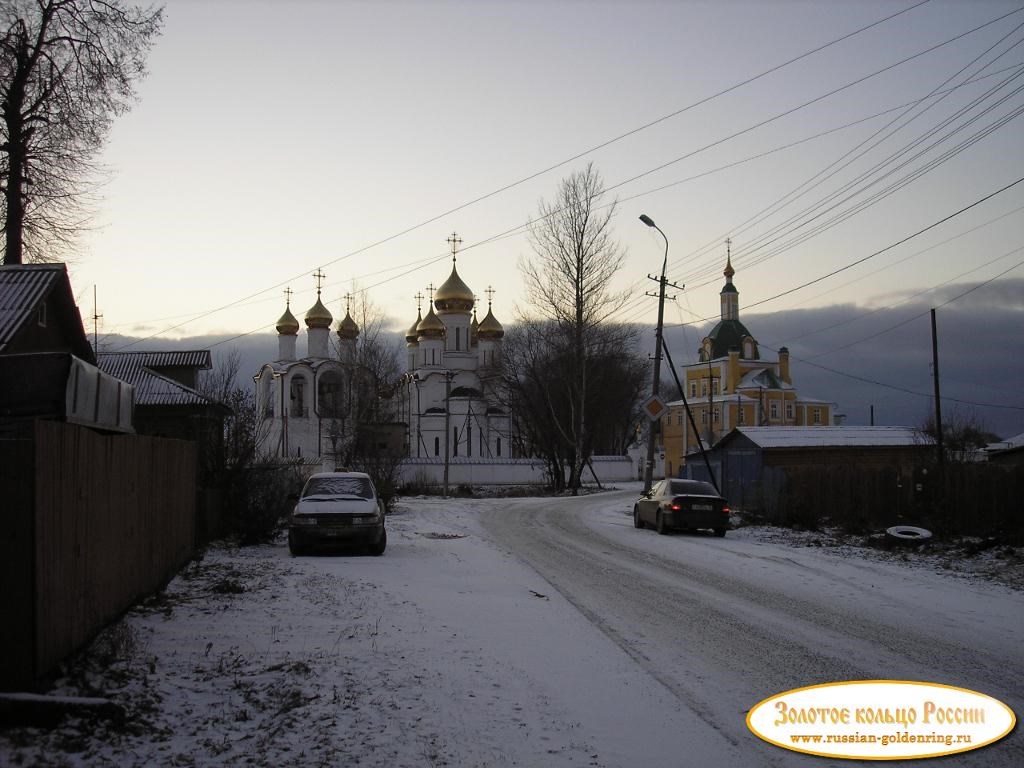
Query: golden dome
[287, 325]
[318, 316]
[430, 327]
[490, 328]
[347, 328]
[412, 335]
[454, 295]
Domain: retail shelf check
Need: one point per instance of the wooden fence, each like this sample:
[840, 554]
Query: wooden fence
[92, 524]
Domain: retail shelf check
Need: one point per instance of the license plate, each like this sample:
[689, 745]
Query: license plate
[702, 507]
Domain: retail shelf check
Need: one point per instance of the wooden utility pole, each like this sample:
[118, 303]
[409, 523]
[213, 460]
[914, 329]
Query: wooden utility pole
[938, 399]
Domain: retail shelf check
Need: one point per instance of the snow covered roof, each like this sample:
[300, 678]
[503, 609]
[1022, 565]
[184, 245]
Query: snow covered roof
[24, 289]
[1017, 441]
[152, 387]
[830, 437]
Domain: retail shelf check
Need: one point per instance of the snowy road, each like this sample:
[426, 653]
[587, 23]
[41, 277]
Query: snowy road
[519, 632]
[723, 623]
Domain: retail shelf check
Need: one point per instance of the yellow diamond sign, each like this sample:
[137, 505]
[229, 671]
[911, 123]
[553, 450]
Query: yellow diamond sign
[654, 407]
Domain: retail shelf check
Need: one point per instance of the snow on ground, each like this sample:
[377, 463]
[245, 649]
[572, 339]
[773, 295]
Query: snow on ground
[445, 651]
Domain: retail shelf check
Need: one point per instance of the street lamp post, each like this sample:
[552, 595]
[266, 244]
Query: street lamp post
[656, 384]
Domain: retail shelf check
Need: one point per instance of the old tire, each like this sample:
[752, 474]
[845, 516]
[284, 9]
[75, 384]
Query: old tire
[907, 535]
[637, 522]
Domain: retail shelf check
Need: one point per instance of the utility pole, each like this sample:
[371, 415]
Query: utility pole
[656, 384]
[938, 399]
[447, 425]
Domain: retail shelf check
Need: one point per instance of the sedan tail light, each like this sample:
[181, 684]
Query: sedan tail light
[675, 507]
[725, 510]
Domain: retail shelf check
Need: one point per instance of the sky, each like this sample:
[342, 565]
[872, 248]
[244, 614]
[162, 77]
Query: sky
[273, 139]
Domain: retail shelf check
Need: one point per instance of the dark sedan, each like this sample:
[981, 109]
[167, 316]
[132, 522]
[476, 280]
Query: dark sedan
[676, 504]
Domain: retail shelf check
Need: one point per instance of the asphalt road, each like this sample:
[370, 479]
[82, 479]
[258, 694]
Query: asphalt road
[725, 623]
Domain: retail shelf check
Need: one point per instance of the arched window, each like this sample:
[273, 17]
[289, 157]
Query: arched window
[437, 446]
[458, 339]
[299, 409]
[330, 394]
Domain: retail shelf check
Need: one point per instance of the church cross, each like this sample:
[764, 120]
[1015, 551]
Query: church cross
[288, 297]
[319, 275]
[430, 290]
[419, 300]
[455, 241]
[490, 295]
[348, 303]
[728, 248]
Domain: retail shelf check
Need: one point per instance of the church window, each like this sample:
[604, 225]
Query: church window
[469, 440]
[330, 391]
[717, 416]
[714, 386]
[693, 389]
[481, 442]
[774, 409]
[789, 409]
[455, 441]
[703, 416]
[298, 398]
[740, 415]
[458, 339]
[703, 387]
[437, 446]
[748, 349]
[497, 446]
[817, 415]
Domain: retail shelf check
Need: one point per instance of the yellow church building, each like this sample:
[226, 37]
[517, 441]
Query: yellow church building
[731, 385]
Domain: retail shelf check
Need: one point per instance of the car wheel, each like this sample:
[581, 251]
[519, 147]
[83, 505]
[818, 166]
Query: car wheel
[637, 522]
[660, 525]
[378, 549]
[293, 546]
[719, 532]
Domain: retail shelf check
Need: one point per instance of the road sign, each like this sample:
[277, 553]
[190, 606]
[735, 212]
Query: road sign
[654, 407]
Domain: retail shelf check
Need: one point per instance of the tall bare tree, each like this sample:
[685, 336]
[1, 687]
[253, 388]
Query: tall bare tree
[67, 68]
[569, 284]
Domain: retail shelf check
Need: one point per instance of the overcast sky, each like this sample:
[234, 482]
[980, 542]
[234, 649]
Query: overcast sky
[274, 138]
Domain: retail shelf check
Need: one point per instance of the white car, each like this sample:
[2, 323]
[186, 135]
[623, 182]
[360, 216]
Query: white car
[337, 508]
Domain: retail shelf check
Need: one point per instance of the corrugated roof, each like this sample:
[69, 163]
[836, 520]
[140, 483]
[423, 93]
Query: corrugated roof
[152, 388]
[833, 437]
[22, 288]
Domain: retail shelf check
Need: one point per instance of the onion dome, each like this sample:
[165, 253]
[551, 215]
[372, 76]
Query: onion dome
[287, 325]
[430, 327]
[318, 315]
[347, 328]
[412, 335]
[454, 295]
[490, 328]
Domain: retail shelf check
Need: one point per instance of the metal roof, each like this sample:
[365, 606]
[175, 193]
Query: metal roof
[151, 387]
[22, 289]
[833, 437]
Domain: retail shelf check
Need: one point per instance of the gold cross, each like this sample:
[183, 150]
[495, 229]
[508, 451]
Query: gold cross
[319, 277]
[490, 295]
[455, 242]
[288, 297]
[430, 290]
[728, 248]
[419, 300]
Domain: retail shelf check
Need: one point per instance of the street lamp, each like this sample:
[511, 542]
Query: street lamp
[656, 384]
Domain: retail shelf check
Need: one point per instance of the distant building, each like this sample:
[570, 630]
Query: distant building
[732, 385]
[453, 364]
[301, 400]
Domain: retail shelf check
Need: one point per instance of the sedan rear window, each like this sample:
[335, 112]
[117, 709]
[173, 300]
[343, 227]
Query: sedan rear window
[693, 486]
[338, 486]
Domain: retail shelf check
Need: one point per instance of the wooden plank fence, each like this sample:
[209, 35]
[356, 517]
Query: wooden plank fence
[112, 518]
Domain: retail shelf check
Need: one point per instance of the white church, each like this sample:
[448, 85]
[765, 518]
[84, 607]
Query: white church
[456, 421]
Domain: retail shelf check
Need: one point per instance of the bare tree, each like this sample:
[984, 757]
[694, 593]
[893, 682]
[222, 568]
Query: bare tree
[569, 284]
[67, 68]
[964, 434]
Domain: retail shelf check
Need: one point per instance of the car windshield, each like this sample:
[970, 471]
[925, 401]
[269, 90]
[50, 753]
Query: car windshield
[338, 486]
[683, 487]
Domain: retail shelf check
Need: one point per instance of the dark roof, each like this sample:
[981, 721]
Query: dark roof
[23, 288]
[726, 335]
[151, 387]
